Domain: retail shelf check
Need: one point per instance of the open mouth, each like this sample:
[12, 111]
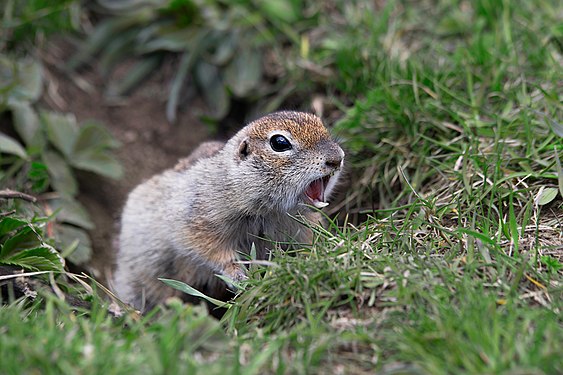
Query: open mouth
[315, 192]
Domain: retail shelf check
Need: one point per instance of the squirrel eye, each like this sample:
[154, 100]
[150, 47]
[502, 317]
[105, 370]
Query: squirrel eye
[280, 143]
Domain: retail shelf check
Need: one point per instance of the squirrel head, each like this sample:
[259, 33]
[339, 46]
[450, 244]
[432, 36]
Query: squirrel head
[297, 160]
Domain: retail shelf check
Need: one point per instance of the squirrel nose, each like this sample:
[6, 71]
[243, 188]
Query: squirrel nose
[334, 161]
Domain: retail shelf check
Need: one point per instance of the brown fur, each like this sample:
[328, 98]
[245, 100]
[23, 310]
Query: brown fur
[306, 127]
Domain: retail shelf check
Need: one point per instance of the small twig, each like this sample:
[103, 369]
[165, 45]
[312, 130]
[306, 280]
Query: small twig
[11, 194]
[7, 213]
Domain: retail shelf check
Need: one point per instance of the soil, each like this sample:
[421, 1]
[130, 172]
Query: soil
[149, 143]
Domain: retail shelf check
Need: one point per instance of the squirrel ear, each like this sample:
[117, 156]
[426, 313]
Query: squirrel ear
[243, 150]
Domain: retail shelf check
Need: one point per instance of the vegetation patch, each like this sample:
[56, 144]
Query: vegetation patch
[444, 255]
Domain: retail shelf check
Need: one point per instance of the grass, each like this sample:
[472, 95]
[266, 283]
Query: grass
[55, 339]
[449, 257]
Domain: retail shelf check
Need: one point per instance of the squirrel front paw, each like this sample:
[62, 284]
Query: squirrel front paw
[236, 273]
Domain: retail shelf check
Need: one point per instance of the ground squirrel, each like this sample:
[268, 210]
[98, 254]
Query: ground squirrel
[191, 222]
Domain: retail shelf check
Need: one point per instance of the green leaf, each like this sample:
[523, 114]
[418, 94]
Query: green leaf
[93, 136]
[26, 123]
[555, 126]
[44, 258]
[30, 80]
[38, 175]
[546, 195]
[281, 10]
[552, 263]
[139, 10]
[67, 234]
[245, 72]
[62, 178]
[187, 62]
[183, 287]
[62, 130]
[480, 236]
[7, 76]
[253, 251]
[176, 41]
[98, 161]
[226, 49]
[214, 92]
[8, 224]
[103, 33]
[72, 212]
[117, 49]
[9, 145]
[25, 238]
[513, 225]
[134, 76]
